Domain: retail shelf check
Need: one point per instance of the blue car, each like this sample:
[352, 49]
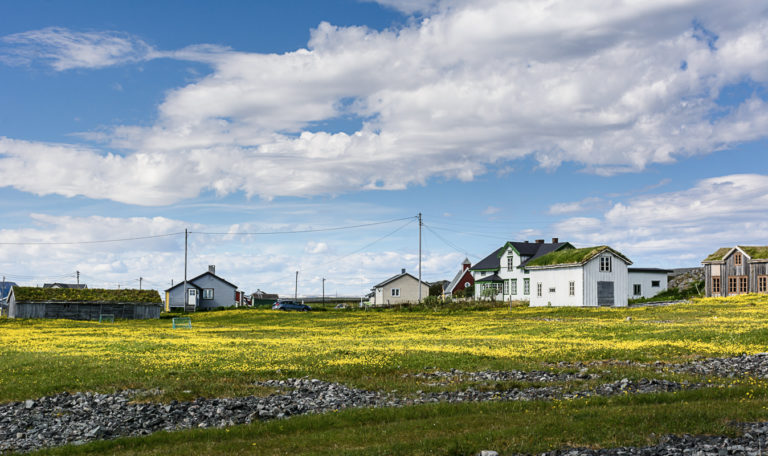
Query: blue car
[290, 305]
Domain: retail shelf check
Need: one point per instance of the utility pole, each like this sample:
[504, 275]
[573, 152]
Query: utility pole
[140, 279]
[78, 277]
[296, 288]
[185, 297]
[323, 291]
[420, 257]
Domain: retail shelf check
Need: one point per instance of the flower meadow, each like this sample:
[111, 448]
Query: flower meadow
[225, 352]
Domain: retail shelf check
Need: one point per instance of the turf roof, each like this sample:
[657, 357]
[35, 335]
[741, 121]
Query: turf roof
[719, 254]
[573, 256]
[758, 252]
[35, 294]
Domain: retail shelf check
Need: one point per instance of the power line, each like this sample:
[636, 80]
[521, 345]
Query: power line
[94, 242]
[450, 244]
[303, 231]
[410, 220]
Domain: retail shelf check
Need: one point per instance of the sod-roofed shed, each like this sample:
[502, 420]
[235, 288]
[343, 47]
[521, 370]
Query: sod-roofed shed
[83, 304]
[736, 270]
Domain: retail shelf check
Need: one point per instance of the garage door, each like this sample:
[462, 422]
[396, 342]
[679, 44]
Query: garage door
[604, 293]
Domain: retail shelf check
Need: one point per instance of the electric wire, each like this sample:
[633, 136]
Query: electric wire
[102, 241]
[311, 230]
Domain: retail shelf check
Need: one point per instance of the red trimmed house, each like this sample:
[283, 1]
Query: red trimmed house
[461, 281]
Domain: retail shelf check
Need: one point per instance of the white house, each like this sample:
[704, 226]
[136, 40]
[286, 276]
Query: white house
[592, 276]
[400, 289]
[505, 270]
[647, 282]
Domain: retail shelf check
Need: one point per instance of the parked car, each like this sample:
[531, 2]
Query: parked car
[291, 305]
[341, 306]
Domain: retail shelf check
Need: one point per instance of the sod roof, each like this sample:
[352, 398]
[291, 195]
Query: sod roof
[34, 294]
[573, 256]
[719, 254]
[756, 252]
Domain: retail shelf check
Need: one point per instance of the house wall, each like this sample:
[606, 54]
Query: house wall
[223, 293]
[85, 310]
[176, 296]
[755, 270]
[409, 291]
[730, 269]
[505, 273]
[645, 280]
[618, 275]
[559, 279]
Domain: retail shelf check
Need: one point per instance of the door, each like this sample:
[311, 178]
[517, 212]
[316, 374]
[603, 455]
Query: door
[604, 293]
[192, 297]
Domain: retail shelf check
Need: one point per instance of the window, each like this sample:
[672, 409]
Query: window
[732, 285]
[571, 288]
[605, 264]
[655, 283]
[207, 293]
[506, 287]
[526, 286]
[510, 261]
[467, 284]
[737, 259]
[513, 286]
[743, 285]
[715, 285]
[395, 292]
[552, 290]
[538, 289]
[636, 289]
[482, 273]
[762, 284]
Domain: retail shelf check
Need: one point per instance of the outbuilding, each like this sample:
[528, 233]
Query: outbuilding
[400, 289]
[83, 304]
[591, 276]
[647, 282]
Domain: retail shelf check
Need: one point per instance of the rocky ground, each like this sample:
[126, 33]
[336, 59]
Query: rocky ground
[81, 417]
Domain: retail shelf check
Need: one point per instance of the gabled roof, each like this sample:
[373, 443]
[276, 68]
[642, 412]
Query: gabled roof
[393, 278]
[525, 249]
[190, 281]
[573, 257]
[5, 288]
[452, 284]
[490, 278]
[35, 294]
[754, 252]
[718, 255]
[76, 286]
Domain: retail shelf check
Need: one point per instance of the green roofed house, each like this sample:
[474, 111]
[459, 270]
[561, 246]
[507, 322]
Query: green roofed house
[736, 270]
[591, 276]
[83, 304]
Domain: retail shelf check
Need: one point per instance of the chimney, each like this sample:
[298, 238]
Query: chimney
[403, 271]
[526, 241]
[539, 241]
[212, 268]
[555, 240]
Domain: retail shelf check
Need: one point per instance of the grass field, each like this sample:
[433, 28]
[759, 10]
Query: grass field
[225, 352]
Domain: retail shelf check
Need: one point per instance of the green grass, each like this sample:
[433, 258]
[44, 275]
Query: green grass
[225, 352]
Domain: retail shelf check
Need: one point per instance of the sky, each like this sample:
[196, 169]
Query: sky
[307, 136]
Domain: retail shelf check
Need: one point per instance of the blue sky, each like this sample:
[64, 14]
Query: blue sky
[641, 125]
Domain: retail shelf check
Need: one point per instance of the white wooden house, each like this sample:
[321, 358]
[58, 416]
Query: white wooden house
[647, 282]
[503, 275]
[400, 289]
[592, 276]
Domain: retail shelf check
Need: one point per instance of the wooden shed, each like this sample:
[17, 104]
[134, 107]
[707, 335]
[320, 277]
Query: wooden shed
[83, 304]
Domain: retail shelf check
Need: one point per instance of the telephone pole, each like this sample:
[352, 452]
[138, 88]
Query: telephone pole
[323, 291]
[185, 298]
[78, 277]
[296, 288]
[420, 257]
[140, 279]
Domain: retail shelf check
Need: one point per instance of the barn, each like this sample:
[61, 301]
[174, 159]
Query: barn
[591, 276]
[83, 304]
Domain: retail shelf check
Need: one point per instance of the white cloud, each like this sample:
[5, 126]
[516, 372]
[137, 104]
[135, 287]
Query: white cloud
[313, 247]
[64, 49]
[576, 206]
[459, 94]
[490, 210]
[674, 228]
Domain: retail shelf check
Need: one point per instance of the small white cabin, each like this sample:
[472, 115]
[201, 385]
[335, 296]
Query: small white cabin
[400, 289]
[647, 282]
[592, 276]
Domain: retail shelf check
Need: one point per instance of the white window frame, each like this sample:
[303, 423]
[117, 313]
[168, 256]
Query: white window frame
[395, 292]
[506, 287]
[637, 289]
[510, 262]
[538, 289]
[571, 288]
[513, 287]
[205, 293]
[552, 290]
[605, 264]
[527, 287]
[655, 283]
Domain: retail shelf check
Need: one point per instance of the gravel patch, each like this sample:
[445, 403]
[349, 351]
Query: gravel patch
[82, 417]
[445, 377]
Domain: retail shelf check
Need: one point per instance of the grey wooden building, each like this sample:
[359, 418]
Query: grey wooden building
[83, 304]
[731, 271]
[206, 291]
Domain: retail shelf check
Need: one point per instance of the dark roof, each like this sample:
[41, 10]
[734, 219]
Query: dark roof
[659, 270]
[393, 278]
[74, 286]
[35, 294]
[263, 295]
[525, 249]
[201, 275]
[490, 278]
[5, 288]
